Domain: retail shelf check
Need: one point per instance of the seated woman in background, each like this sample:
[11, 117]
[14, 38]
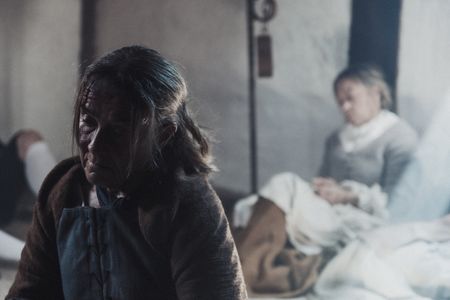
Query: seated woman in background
[362, 163]
[25, 161]
[373, 147]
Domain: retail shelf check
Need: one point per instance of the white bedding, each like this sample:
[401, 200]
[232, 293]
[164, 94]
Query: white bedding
[380, 261]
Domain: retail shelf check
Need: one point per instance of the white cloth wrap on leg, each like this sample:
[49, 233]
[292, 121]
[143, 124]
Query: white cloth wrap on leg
[311, 222]
[10, 248]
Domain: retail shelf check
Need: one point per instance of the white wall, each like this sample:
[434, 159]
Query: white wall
[423, 82]
[424, 60]
[208, 38]
[39, 43]
[42, 65]
[11, 30]
[4, 75]
[296, 108]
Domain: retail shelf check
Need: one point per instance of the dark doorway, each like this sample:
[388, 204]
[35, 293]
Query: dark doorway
[374, 37]
[87, 35]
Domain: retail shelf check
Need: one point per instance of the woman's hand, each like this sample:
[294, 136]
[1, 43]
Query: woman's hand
[333, 192]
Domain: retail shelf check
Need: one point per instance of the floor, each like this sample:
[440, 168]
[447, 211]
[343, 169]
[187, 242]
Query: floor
[17, 228]
[7, 273]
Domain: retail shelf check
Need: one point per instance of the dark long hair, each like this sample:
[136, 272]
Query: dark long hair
[158, 94]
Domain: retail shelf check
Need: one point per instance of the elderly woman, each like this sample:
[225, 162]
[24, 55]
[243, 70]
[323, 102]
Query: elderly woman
[133, 216]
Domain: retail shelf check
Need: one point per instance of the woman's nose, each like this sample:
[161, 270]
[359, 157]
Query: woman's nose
[96, 140]
[346, 106]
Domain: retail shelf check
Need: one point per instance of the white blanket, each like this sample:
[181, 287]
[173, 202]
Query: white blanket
[311, 222]
[379, 261]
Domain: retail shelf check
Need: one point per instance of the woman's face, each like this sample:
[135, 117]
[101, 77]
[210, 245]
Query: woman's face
[105, 132]
[358, 103]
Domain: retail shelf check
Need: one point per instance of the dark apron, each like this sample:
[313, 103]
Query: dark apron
[103, 255]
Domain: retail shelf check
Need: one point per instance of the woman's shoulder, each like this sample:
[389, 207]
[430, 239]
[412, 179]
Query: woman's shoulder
[194, 196]
[187, 201]
[62, 186]
[179, 195]
[333, 138]
[401, 133]
[191, 188]
[59, 172]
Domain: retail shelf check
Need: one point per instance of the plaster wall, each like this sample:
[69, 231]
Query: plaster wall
[41, 42]
[424, 60]
[10, 37]
[4, 78]
[296, 107]
[208, 39]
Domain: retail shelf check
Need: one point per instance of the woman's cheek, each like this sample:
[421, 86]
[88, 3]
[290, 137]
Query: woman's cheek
[84, 141]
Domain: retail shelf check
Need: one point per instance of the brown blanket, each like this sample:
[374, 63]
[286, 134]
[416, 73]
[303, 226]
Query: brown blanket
[271, 266]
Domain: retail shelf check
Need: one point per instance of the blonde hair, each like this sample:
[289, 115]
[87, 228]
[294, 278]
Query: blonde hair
[369, 75]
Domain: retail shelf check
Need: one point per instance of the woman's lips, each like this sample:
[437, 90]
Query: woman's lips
[92, 161]
[96, 165]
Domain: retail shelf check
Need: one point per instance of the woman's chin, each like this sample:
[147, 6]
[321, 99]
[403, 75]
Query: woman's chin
[356, 122]
[96, 178]
[93, 178]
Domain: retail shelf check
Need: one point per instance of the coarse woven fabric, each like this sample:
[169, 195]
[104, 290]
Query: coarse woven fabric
[179, 216]
[381, 161]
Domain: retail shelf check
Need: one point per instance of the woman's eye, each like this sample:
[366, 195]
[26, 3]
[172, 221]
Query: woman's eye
[86, 119]
[86, 122]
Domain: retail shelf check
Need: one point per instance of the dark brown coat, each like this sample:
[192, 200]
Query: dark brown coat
[182, 216]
